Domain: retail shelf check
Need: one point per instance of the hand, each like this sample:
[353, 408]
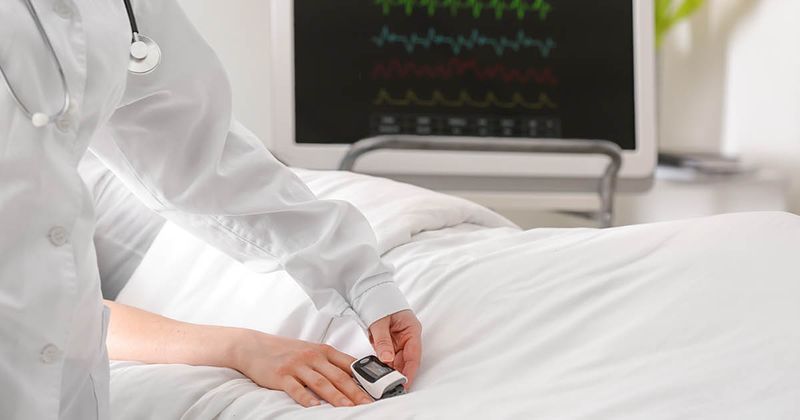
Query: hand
[397, 340]
[292, 365]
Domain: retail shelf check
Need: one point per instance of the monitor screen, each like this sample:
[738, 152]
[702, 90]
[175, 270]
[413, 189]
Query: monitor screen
[498, 68]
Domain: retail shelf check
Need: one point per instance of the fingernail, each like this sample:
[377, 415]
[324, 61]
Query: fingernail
[364, 401]
[387, 357]
[314, 403]
[346, 403]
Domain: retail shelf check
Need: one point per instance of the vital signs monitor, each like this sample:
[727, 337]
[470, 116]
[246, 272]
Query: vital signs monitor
[350, 69]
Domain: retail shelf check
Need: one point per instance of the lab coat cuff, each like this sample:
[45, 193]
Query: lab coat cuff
[379, 301]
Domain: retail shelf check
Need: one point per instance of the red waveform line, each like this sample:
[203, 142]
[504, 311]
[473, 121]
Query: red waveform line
[456, 67]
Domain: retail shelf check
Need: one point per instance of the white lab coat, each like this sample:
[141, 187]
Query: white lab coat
[170, 137]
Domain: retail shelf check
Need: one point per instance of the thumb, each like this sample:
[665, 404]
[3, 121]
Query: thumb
[382, 340]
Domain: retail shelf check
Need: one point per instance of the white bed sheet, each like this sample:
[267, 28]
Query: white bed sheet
[695, 319]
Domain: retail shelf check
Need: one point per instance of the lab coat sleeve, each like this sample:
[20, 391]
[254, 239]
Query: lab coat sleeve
[174, 143]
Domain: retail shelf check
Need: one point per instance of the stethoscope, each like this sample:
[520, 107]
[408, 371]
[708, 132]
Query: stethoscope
[145, 56]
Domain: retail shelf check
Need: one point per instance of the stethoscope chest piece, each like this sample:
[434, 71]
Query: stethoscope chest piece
[145, 55]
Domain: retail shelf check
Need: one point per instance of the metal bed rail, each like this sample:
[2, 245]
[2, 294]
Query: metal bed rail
[607, 182]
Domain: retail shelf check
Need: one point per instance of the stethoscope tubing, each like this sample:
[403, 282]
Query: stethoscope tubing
[61, 74]
[132, 20]
[140, 64]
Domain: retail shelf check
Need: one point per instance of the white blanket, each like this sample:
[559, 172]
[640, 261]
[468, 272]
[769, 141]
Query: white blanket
[685, 320]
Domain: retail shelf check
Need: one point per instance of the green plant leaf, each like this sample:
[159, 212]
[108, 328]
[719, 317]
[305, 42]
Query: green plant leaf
[667, 15]
[686, 9]
[663, 8]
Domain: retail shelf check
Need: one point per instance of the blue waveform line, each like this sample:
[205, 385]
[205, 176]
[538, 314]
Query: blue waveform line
[458, 43]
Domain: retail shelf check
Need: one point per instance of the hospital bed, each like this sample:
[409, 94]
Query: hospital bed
[606, 183]
[694, 319]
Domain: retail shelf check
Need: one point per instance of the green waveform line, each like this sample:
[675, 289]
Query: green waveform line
[519, 7]
[457, 43]
[464, 99]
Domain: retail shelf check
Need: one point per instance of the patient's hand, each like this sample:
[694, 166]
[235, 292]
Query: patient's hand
[397, 339]
[272, 362]
[292, 365]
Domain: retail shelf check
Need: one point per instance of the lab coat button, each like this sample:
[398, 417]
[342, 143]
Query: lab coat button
[50, 354]
[64, 123]
[58, 236]
[63, 9]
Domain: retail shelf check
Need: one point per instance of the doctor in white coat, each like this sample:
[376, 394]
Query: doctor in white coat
[170, 137]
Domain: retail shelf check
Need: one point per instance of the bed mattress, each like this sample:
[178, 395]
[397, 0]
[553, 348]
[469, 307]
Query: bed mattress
[694, 319]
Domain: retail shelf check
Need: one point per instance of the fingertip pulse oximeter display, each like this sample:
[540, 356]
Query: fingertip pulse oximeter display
[377, 378]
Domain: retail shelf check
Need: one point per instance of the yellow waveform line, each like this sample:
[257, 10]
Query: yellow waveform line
[464, 99]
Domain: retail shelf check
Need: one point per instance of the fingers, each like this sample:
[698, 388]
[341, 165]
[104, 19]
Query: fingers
[400, 366]
[412, 354]
[344, 383]
[299, 393]
[341, 360]
[323, 387]
[339, 371]
[382, 340]
[399, 361]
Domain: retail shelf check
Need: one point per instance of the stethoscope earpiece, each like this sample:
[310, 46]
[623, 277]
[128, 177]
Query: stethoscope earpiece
[40, 119]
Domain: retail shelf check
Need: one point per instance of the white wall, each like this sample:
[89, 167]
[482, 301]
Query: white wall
[763, 106]
[730, 82]
[239, 32]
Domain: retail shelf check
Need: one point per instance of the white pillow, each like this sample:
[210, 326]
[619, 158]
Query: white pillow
[125, 228]
[184, 278]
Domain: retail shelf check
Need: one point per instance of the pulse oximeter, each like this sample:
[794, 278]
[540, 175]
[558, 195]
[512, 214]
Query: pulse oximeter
[377, 378]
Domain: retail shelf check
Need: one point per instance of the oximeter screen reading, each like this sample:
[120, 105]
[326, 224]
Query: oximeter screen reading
[376, 370]
[371, 368]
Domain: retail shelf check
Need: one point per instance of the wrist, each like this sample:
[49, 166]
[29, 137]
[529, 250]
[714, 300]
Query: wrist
[240, 348]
